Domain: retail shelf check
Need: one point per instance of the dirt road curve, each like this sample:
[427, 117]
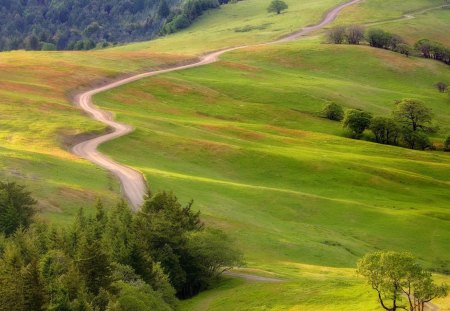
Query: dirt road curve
[132, 182]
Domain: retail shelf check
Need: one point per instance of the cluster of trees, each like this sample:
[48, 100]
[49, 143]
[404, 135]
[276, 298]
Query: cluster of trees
[409, 125]
[378, 38]
[113, 260]
[74, 24]
[351, 34]
[184, 14]
[400, 282]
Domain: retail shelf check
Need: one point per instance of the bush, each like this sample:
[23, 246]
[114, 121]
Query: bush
[447, 144]
[357, 121]
[355, 34]
[336, 34]
[333, 112]
[441, 86]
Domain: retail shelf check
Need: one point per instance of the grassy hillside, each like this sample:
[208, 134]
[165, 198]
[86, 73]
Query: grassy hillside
[243, 138]
[38, 122]
[36, 88]
[281, 180]
[413, 20]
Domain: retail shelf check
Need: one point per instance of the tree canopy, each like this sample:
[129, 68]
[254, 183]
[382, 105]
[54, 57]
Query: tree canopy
[277, 6]
[73, 24]
[113, 260]
[400, 282]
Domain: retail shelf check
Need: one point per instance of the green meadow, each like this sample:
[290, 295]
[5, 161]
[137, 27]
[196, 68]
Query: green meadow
[243, 137]
[413, 20]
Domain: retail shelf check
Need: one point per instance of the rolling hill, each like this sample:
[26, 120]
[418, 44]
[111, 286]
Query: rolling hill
[244, 138]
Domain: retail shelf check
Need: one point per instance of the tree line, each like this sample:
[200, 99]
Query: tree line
[78, 25]
[378, 38]
[112, 260]
[409, 124]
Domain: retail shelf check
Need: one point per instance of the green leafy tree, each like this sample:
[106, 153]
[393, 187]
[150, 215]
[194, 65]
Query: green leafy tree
[334, 112]
[416, 139]
[400, 282]
[385, 130]
[357, 121]
[17, 207]
[277, 6]
[413, 113]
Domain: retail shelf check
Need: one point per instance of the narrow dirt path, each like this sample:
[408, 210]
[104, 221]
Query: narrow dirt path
[134, 186]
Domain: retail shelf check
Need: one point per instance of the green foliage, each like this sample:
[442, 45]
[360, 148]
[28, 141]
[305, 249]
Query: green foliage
[189, 11]
[277, 6]
[434, 50]
[357, 121]
[413, 114]
[385, 130]
[175, 237]
[400, 282]
[17, 207]
[69, 24]
[333, 112]
[447, 144]
[381, 39]
[108, 261]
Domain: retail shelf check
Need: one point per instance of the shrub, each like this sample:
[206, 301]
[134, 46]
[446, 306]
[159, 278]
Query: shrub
[357, 121]
[336, 34]
[355, 34]
[447, 144]
[333, 111]
[441, 86]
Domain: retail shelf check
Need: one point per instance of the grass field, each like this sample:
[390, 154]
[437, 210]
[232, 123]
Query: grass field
[260, 163]
[38, 121]
[413, 20]
[243, 138]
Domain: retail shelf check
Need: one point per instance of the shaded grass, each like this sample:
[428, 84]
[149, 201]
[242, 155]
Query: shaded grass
[281, 180]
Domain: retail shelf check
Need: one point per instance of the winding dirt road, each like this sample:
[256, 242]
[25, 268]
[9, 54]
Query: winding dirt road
[134, 186]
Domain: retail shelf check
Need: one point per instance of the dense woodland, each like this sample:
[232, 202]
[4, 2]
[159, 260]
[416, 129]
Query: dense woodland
[111, 260]
[86, 24]
[78, 24]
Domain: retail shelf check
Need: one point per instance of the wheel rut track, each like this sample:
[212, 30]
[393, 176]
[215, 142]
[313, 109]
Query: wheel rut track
[133, 183]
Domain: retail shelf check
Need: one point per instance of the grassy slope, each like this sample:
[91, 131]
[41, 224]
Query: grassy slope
[37, 119]
[389, 15]
[281, 180]
[211, 154]
[35, 89]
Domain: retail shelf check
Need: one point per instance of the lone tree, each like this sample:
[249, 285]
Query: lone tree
[16, 207]
[400, 282]
[276, 6]
[413, 114]
[333, 111]
[357, 121]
